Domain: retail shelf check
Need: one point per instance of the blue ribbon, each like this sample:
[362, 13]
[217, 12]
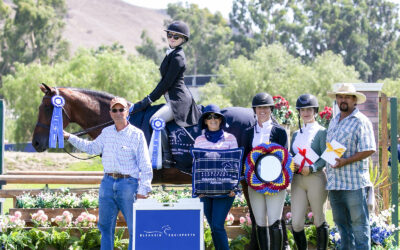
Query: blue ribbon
[157, 124]
[56, 125]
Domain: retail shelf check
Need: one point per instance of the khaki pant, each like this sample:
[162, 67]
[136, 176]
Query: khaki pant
[266, 207]
[307, 190]
[165, 113]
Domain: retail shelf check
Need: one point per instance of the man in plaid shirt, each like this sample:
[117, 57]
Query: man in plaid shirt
[349, 178]
[127, 170]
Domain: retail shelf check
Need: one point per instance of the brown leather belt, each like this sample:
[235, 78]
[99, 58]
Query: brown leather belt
[118, 175]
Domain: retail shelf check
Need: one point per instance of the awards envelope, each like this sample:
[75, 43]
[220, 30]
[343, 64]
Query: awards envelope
[333, 150]
[305, 157]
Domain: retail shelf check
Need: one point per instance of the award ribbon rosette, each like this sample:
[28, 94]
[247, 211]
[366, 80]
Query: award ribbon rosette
[253, 173]
[333, 150]
[155, 143]
[305, 157]
[56, 125]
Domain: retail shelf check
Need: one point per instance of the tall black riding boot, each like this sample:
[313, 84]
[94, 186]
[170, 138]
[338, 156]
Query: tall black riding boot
[262, 237]
[322, 236]
[300, 239]
[286, 244]
[276, 236]
[167, 160]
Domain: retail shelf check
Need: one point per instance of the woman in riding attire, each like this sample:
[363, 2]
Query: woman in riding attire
[180, 105]
[308, 186]
[266, 207]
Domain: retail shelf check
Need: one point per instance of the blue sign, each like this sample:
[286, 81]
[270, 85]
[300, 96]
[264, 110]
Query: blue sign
[168, 229]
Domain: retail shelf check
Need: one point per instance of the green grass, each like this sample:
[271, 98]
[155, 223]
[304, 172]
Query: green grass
[91, 165]
[329, 218]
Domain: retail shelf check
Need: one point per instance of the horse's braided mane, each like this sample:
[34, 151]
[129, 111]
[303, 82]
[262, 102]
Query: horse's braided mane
[94, 93]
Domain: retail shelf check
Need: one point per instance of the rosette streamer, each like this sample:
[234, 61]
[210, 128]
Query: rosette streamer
[56, 125]
[284, 179]
[155, 144]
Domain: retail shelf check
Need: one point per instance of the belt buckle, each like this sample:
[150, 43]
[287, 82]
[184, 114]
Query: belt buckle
[114, 175]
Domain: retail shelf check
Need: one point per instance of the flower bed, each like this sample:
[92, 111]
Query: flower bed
[67, 233]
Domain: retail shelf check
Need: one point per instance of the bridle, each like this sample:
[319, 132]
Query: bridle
[80, 133]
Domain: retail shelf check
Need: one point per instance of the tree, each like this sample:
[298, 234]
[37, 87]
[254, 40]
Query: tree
[364, 32]
[149, 49]
[32, 32]
[210, 42]
[104, 70]
[272, 69]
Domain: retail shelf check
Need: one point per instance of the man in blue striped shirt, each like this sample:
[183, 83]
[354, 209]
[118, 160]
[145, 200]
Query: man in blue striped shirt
[127, 170]
[348, 179]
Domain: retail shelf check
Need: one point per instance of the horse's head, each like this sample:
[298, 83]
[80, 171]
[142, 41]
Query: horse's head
[40, 140]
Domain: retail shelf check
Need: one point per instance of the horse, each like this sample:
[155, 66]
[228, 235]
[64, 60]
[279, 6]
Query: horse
[89, 109]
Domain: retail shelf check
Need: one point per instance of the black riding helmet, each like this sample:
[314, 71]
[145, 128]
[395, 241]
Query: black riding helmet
[179, 27]
[306, 101]
[262, 99]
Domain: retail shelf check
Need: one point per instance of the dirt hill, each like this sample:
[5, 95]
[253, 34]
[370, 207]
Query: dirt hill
[91, 23]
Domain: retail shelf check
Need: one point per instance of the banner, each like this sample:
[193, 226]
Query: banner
[216, 172]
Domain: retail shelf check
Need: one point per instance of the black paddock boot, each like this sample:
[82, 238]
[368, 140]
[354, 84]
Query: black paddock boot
[276, 236]
[167, 160]
[286, 245]
[300, 239]
[262, 238]
[322, 236]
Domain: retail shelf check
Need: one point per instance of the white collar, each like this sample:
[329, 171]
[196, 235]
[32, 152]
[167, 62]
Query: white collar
[265, 125]
[169, 50]
[309, 126]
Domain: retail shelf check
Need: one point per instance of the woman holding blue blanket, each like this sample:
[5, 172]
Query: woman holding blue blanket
[267, 209]
[216, 208]
[309, 182]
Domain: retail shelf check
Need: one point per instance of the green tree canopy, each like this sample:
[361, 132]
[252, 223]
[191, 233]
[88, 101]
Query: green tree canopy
[105, 70]
[31, 31]
[272, 69]
[149, 49]
[364, 32]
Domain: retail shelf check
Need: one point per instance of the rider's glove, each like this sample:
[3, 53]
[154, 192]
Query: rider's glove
[142, 105]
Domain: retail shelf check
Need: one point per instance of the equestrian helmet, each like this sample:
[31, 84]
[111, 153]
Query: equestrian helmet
[307, 101]
[262, 99]
[179, 27]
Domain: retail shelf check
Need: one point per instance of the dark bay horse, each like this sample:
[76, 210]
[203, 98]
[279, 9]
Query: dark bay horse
[89, 108]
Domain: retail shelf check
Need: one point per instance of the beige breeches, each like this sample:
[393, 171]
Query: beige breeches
[165, 113]
[266, 208]
[308, 190]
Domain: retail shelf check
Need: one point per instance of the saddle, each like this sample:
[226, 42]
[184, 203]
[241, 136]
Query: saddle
[181, 139]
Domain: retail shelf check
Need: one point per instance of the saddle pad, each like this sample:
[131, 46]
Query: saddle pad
[215, 172]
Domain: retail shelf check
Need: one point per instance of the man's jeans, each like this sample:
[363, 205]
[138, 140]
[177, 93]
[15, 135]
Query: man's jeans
[350, 213]
[115, 195]
[216, 210]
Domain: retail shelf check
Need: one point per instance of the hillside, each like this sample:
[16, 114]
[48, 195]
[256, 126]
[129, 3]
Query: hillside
[90, 24]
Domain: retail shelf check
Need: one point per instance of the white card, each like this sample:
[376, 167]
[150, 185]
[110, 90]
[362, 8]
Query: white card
[330, 156]
[310, 154]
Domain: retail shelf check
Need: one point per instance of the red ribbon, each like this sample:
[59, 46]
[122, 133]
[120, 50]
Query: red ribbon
[303, 152]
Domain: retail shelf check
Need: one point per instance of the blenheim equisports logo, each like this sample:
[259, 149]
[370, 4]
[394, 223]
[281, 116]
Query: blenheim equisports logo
[166, 231]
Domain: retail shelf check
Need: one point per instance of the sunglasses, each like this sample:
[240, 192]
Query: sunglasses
[213, 116]
[117, 110]
[176, 37]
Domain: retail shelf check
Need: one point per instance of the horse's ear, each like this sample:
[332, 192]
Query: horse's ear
[45, 89]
